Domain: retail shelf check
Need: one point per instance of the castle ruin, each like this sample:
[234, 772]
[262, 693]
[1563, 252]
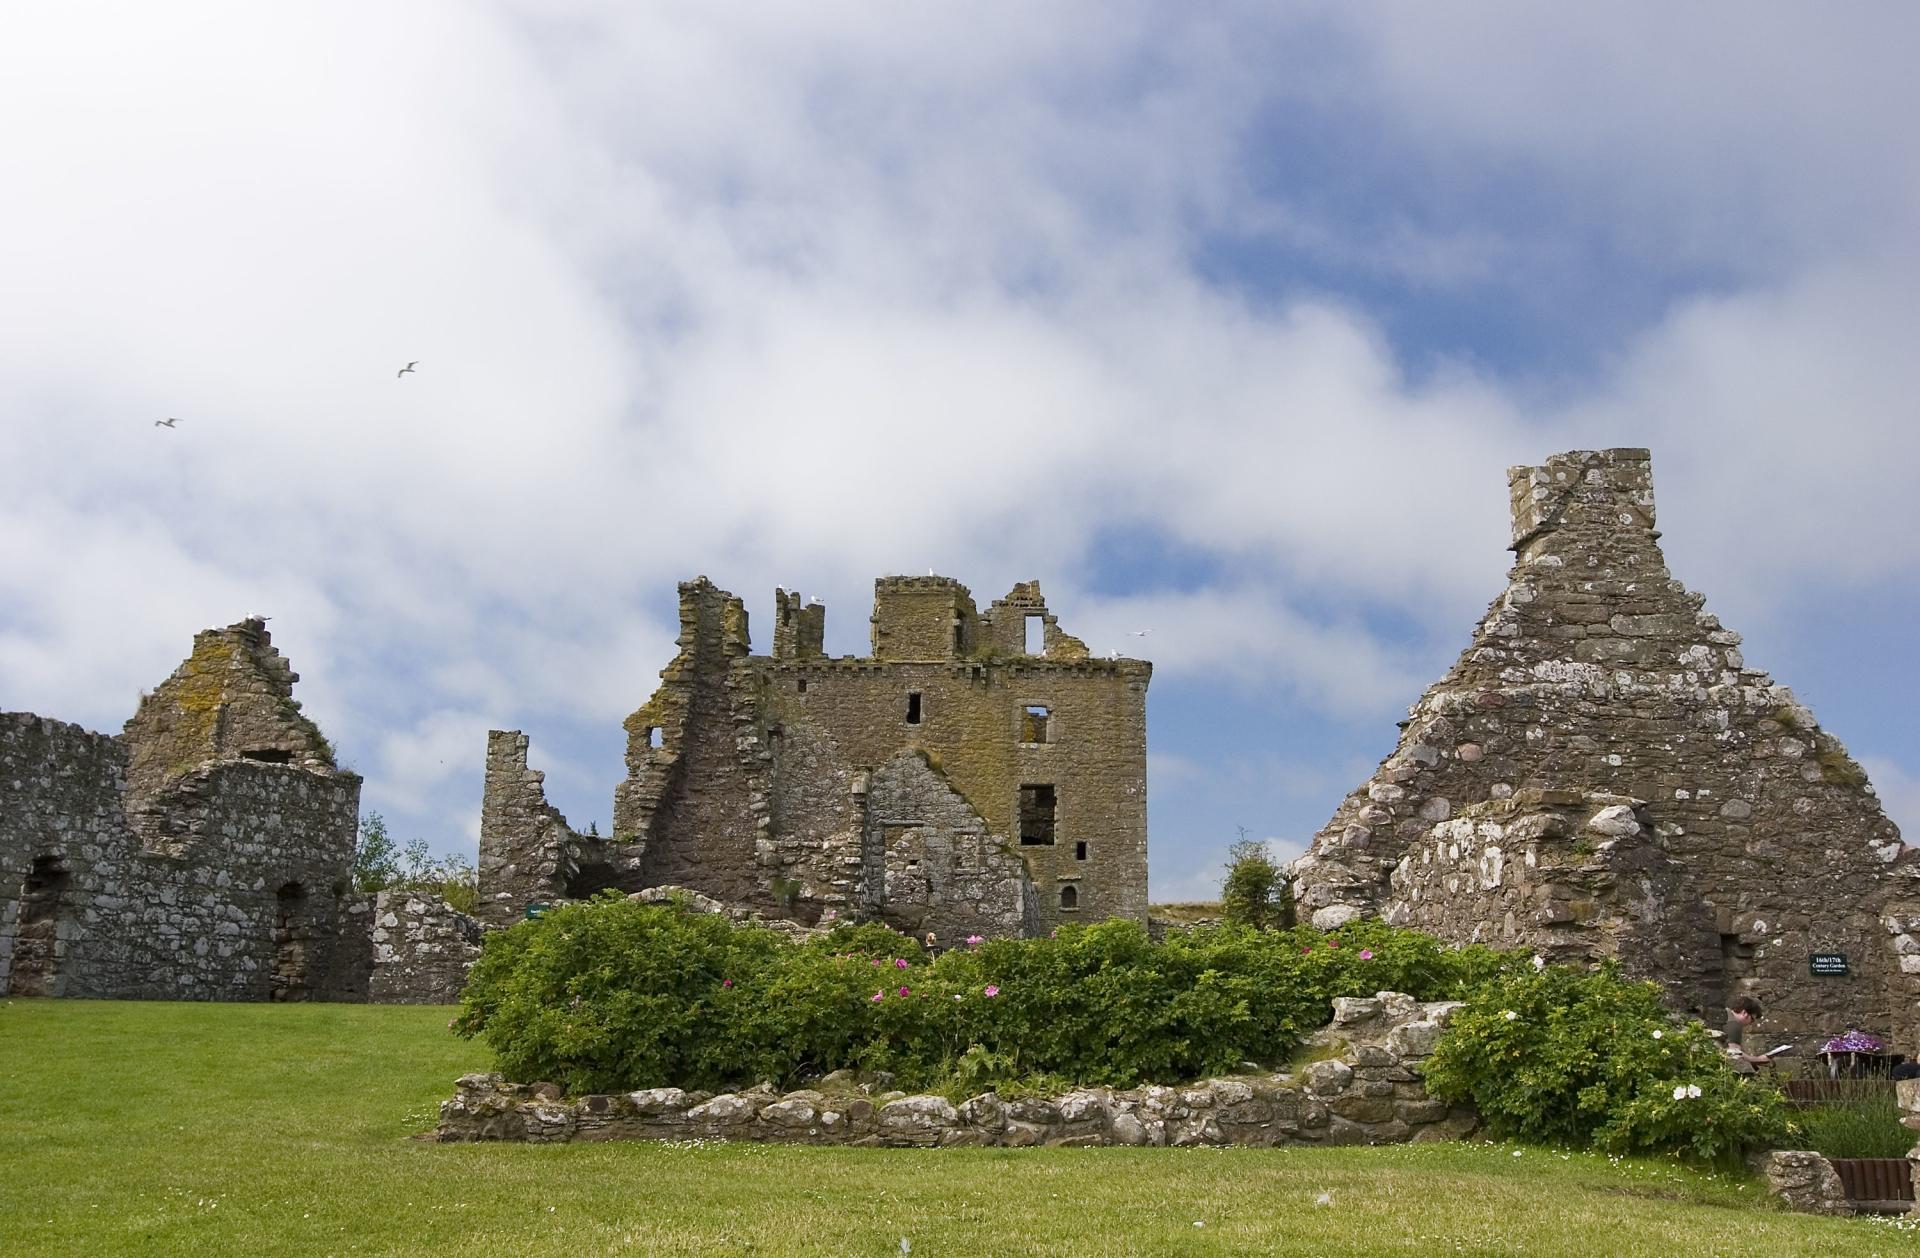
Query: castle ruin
[978, 773]
[1601, 774]
[202, 853]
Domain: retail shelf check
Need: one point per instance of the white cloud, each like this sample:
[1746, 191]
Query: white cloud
[803, 296]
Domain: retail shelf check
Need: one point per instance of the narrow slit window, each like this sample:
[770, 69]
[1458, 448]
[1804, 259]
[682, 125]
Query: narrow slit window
[913, 707]
[1037, 806]
[959, 638]
[800, 685]
[1080, 851]
[1069, 897]
[1036, 635]
[653, 736]
[1033, 724]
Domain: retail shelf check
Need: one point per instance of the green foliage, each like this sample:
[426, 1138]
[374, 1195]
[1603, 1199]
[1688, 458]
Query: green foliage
[1579, 1059]
[1863, 1121]
[376, 858]
[1256, 893]
[613, 995]
[380, 865]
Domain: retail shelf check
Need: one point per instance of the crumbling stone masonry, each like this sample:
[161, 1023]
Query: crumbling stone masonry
[1368, 1090]
[201, 854]
[978, 773]
[1602, 775]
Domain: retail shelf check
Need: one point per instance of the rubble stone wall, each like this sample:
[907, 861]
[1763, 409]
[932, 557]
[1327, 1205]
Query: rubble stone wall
[202, 854]
[1371, 1092]
[422, 949]
[1595, 673]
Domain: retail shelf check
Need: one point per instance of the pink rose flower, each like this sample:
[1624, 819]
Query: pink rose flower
[879, 996]
[899, 963]
[990, 990]
[1366, 954]
[726, 982]
[975, 939]
[905, 992]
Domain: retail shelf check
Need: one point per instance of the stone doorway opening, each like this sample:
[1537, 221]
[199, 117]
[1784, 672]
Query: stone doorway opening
[292, 931]
[36, 941]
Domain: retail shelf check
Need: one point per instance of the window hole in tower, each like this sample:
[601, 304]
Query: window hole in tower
[1037, 805]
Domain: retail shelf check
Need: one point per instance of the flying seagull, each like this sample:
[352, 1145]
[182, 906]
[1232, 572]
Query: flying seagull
[1141, 633]
[168, 422]
[404, 370]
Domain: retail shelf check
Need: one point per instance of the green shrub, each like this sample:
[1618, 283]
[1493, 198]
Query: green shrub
[1256, 893]
[1863, 1121]
[1578, 1059]
[614, 994]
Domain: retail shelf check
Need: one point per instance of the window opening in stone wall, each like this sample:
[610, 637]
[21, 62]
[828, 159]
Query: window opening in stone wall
[913, 707]
[1037, 804]
[36, 957]
[269, 755]
[1080, 851]
[800, 685]
[653, 736]
[1033, 724]
[1036, 635]
[959, 637]
[1069, 898]
[292, 931]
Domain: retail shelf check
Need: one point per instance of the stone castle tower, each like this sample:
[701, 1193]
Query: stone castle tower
[977, 773]
[1602, 774]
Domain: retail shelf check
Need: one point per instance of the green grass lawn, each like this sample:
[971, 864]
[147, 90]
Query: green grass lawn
[194, 1129]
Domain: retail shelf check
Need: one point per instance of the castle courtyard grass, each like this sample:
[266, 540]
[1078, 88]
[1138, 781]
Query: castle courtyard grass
[206, 1129]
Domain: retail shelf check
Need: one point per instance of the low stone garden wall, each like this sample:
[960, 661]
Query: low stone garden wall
[1367, 1090]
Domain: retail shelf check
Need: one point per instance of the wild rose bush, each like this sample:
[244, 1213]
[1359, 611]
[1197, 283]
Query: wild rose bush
[1592, 1059]
[612, 995]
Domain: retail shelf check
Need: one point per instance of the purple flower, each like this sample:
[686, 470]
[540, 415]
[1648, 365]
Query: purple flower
[990, 990]
[1333, 943]
[878, 997]
[726, 982]
[899, 963]
[1853, 1042]
[973, 940]
[1366, 954]
[905, 992]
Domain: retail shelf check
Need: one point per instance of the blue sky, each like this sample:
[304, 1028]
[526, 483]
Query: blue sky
[1222, 322]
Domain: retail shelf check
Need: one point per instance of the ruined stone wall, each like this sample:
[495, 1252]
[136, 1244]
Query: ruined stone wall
[1369, 1090]
[1567, 877]
[699, 801]
[422, 949]
[203, 854]
[528, 853]
[1595, 672]
[200, 918]
[943, 872]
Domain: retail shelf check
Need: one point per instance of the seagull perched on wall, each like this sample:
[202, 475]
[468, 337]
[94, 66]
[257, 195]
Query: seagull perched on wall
[168, 422]
[404, 370]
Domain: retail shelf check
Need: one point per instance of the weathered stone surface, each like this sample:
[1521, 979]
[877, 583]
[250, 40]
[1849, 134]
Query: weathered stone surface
[1619, 783]
[1331, 1100]
[202, 854]
[889, 788]
[1804, 1181]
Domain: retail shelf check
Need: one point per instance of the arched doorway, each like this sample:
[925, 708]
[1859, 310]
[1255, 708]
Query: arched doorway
[36, 941]
[292, 930]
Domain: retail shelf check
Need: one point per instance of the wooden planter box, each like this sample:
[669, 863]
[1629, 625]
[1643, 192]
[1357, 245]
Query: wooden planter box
[1882, 1185]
